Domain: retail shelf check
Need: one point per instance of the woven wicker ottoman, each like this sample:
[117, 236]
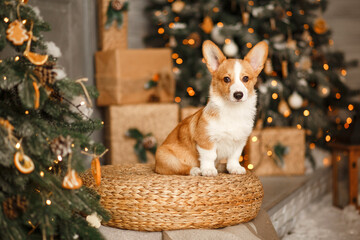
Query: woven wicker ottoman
[140, 199]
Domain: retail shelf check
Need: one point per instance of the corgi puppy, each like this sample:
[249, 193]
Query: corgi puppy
[219, 130]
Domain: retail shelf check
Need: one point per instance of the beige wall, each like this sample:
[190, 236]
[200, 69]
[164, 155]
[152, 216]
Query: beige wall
[343, 17]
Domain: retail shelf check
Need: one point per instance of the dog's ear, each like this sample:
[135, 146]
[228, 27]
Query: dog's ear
[213, 55]
[257, 56]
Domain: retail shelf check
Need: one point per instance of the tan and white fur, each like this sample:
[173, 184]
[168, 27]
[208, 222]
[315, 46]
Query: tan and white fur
[220, 129]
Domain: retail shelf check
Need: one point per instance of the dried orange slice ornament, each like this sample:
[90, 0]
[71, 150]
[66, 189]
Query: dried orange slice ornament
[96, 171]
[16, 33]
[34, 58]
[23, 163]
[72, 180]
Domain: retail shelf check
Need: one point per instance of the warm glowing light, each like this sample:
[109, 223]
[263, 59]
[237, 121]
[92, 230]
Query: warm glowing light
[338, 158]
[274, 83]
[72, 145]
[86, 149]
[174, 56]
[216, 9]
[59, 158]
[349, 120]
[50, 168]
[171, 25]
[302, 12]
[324, 91]
[346, 125]
[203, 60]
[178, 99]
[241, 159]
[18, 145]
[228, 41]
[102, 123]
[251, 30]
[274, 96]
[269, 153]
[298, 126]
[82, 103]
[254, 138]
[26, 112]
[250, 166]
[220, 24]
[326, 67]
[176, 19]
[6, 20]
[191, 41]
[24, 21]
[157, 13]
[251, 3]
[161, 30]
[185, 41]
[176, 70]
[248, 45]
[326, 162]
[48, 202]
[17, 58]
[343, 72]
[338, 95]
[41, 173]
[327, 138]
[351, 107]
[289, 13]
[330, 108]
[312, 145]
[189, 89]
[306, 26]
[306, 113]
[287, 113]
[191, 93]
[311, 43]
[269, 119]
[179, 61]
[331, 42]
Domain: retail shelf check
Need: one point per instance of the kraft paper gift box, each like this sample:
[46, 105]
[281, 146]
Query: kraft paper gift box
[157, 118]
[276, 151]
[113, 37]
[121, 76]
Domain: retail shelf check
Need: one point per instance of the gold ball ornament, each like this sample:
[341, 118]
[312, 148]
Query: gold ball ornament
[177, 6]
[207, 25]
[320, 26]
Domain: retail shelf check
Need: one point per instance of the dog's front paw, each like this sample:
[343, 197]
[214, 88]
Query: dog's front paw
[195, 171]
[209, 172]
[236, 169]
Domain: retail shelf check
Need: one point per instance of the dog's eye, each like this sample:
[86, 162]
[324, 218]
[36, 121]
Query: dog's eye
[227, 79]
[245, 79]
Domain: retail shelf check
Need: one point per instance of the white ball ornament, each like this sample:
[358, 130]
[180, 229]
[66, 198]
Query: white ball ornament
[295, 100]
[230, 49]
[216, 35]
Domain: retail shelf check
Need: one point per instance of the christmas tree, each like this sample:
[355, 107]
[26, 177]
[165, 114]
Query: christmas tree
[303, 82]
[44, 131]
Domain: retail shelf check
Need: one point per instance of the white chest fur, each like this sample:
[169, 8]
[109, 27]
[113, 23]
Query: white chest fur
[232, 126]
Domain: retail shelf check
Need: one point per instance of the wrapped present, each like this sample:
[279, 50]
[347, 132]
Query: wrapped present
[112, 24]
[187, 111]
[134, 76]
[155, 119]
[276, 151]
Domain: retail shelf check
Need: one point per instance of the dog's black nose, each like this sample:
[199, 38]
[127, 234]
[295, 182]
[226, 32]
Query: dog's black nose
[238, 95]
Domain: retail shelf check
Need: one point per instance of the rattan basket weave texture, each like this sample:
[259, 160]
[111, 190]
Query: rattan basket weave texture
[139, 199]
